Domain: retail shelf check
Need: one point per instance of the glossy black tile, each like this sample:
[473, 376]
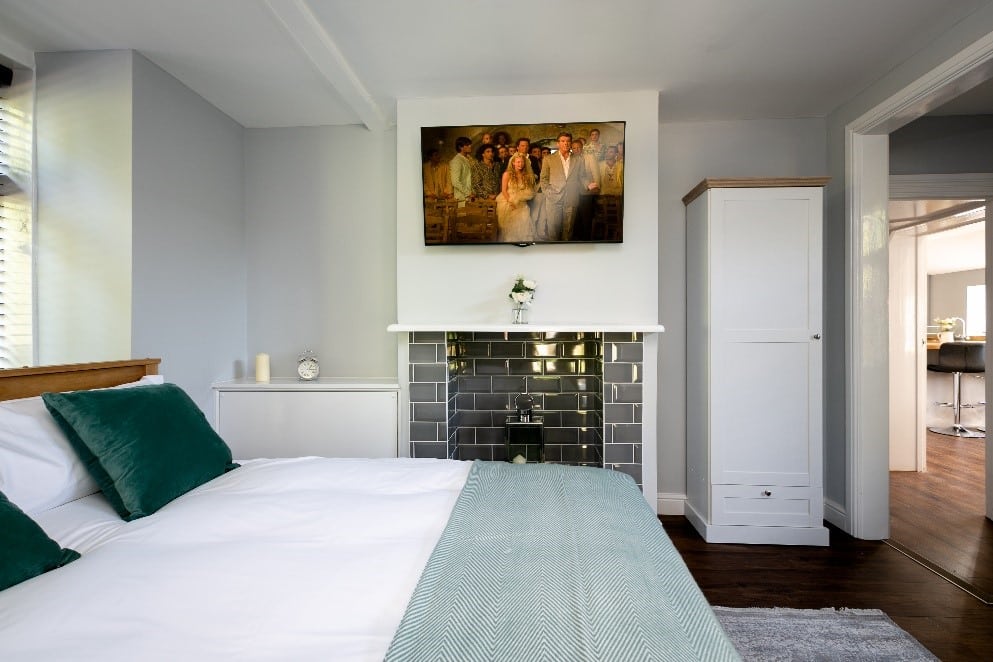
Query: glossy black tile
[492, 366]
[525, 367]
[423, 353]
[507, 350]
[428, 411]
[509, 384]
[544, 384]
[429, 450]
[542, 349]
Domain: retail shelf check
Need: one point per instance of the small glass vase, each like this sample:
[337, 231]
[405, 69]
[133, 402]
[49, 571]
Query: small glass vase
[519, 314]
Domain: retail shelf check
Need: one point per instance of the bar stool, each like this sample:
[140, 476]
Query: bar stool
[958, 358]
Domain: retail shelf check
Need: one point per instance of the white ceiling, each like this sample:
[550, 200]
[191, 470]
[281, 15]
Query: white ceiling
[961, 249]
[272, 63]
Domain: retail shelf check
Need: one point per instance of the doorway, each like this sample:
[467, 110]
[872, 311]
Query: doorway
[937, 481]
[866, 197]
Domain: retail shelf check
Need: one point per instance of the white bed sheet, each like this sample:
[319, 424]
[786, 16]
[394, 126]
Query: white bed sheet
[294, 559]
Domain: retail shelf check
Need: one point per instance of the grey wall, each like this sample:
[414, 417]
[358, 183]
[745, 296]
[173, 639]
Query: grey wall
[946, 293]
[188, 274]
[690, 152]
[139, 216]
[320, 224]
[954, 144]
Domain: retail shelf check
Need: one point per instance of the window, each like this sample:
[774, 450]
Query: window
[16, 298]
[975, 310]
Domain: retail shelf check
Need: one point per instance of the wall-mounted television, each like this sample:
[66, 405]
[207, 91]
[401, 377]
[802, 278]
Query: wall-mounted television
[512, 184]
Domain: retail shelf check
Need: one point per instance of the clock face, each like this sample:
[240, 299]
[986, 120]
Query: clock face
[308, 368]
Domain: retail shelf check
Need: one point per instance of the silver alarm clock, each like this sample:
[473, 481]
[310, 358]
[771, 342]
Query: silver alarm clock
[308, 367]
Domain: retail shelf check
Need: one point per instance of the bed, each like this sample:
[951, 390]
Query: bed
[319, 558]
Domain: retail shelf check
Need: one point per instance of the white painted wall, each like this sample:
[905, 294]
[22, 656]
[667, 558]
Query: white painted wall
[590, 282]
[692, 151]
[83, 212]
[188, 274]
[320, 237]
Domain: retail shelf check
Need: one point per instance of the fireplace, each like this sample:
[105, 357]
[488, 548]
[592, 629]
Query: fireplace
[587, 387]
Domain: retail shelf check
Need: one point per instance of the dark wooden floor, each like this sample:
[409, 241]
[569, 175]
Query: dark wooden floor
[853, 573]
[940, 514]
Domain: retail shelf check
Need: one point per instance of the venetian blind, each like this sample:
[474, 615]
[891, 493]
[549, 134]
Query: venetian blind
[16, 338]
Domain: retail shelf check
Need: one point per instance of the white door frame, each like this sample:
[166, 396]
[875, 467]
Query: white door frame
[866, 369]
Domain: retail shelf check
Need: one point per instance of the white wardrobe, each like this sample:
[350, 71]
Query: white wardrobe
[754, 360]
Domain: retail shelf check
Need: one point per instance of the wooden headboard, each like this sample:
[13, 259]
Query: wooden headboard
[29, 382]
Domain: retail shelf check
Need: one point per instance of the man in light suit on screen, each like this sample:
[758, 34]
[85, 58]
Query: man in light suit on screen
[563, 178]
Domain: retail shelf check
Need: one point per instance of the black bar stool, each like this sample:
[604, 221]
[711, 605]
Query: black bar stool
[956, 358]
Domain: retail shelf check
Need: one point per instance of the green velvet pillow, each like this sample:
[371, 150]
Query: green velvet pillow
[26, 551]
[144, 446]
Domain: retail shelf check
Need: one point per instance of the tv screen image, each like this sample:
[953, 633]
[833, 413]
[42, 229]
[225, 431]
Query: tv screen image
[511, 184]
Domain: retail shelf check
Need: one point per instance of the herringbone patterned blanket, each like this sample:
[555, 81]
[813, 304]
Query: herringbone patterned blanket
[564, 564]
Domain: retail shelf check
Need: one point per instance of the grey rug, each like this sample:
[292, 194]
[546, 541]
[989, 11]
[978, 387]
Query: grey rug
[771, 635]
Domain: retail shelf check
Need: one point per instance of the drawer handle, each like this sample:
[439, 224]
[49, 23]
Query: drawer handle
[766, 493]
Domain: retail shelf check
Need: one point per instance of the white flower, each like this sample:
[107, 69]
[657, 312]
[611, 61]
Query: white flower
[523, 290]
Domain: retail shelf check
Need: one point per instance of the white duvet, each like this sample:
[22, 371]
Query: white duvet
[296, 559]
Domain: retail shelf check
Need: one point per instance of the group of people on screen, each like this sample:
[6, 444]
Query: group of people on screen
[541, 193]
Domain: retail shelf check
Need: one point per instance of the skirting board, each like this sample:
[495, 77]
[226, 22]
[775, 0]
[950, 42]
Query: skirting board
[835, 514]
[671, 503]
[758, 535]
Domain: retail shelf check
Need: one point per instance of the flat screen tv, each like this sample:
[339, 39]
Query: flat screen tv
[510, 184]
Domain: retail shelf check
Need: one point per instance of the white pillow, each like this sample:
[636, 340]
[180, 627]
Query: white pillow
[38, 468]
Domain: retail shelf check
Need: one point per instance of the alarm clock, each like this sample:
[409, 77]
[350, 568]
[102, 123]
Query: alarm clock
[307, 366]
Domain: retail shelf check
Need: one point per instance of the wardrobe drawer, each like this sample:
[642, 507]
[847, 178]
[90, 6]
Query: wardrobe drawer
[767, 505]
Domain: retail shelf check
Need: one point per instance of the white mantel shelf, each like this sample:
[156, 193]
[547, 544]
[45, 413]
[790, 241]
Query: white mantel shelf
[539, 327]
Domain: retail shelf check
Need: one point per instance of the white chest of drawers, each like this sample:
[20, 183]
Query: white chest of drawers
[293, 418]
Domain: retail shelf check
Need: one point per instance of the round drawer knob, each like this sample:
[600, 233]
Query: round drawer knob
[766, 493]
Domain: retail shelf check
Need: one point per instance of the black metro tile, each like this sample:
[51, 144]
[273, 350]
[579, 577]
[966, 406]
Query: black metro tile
[422, 353]
[474, 384]
[507, 350]
[524, 367]
[476, 418]
[561, 401]
[560, 367]
[427, 411]
[540, 350]
[544, 384]
[429, 373]
[437, 450]
[424, 431]
[491, 367]
[561, 435]
[492, 401]
[423, 392]
[509, 384]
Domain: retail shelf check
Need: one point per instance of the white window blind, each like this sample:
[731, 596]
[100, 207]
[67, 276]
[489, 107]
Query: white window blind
[16, 311]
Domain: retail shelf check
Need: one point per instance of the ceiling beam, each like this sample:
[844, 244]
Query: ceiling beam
[308, 33]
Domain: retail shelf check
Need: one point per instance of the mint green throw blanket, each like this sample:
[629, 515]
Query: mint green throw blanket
[550, 562]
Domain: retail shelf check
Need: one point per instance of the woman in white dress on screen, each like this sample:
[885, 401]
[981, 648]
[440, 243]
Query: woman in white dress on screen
[513, 212]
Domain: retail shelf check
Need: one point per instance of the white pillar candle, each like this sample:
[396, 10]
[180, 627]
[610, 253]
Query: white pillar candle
[262, 368]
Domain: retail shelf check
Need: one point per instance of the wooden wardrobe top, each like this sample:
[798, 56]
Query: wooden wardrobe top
[752, 182]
